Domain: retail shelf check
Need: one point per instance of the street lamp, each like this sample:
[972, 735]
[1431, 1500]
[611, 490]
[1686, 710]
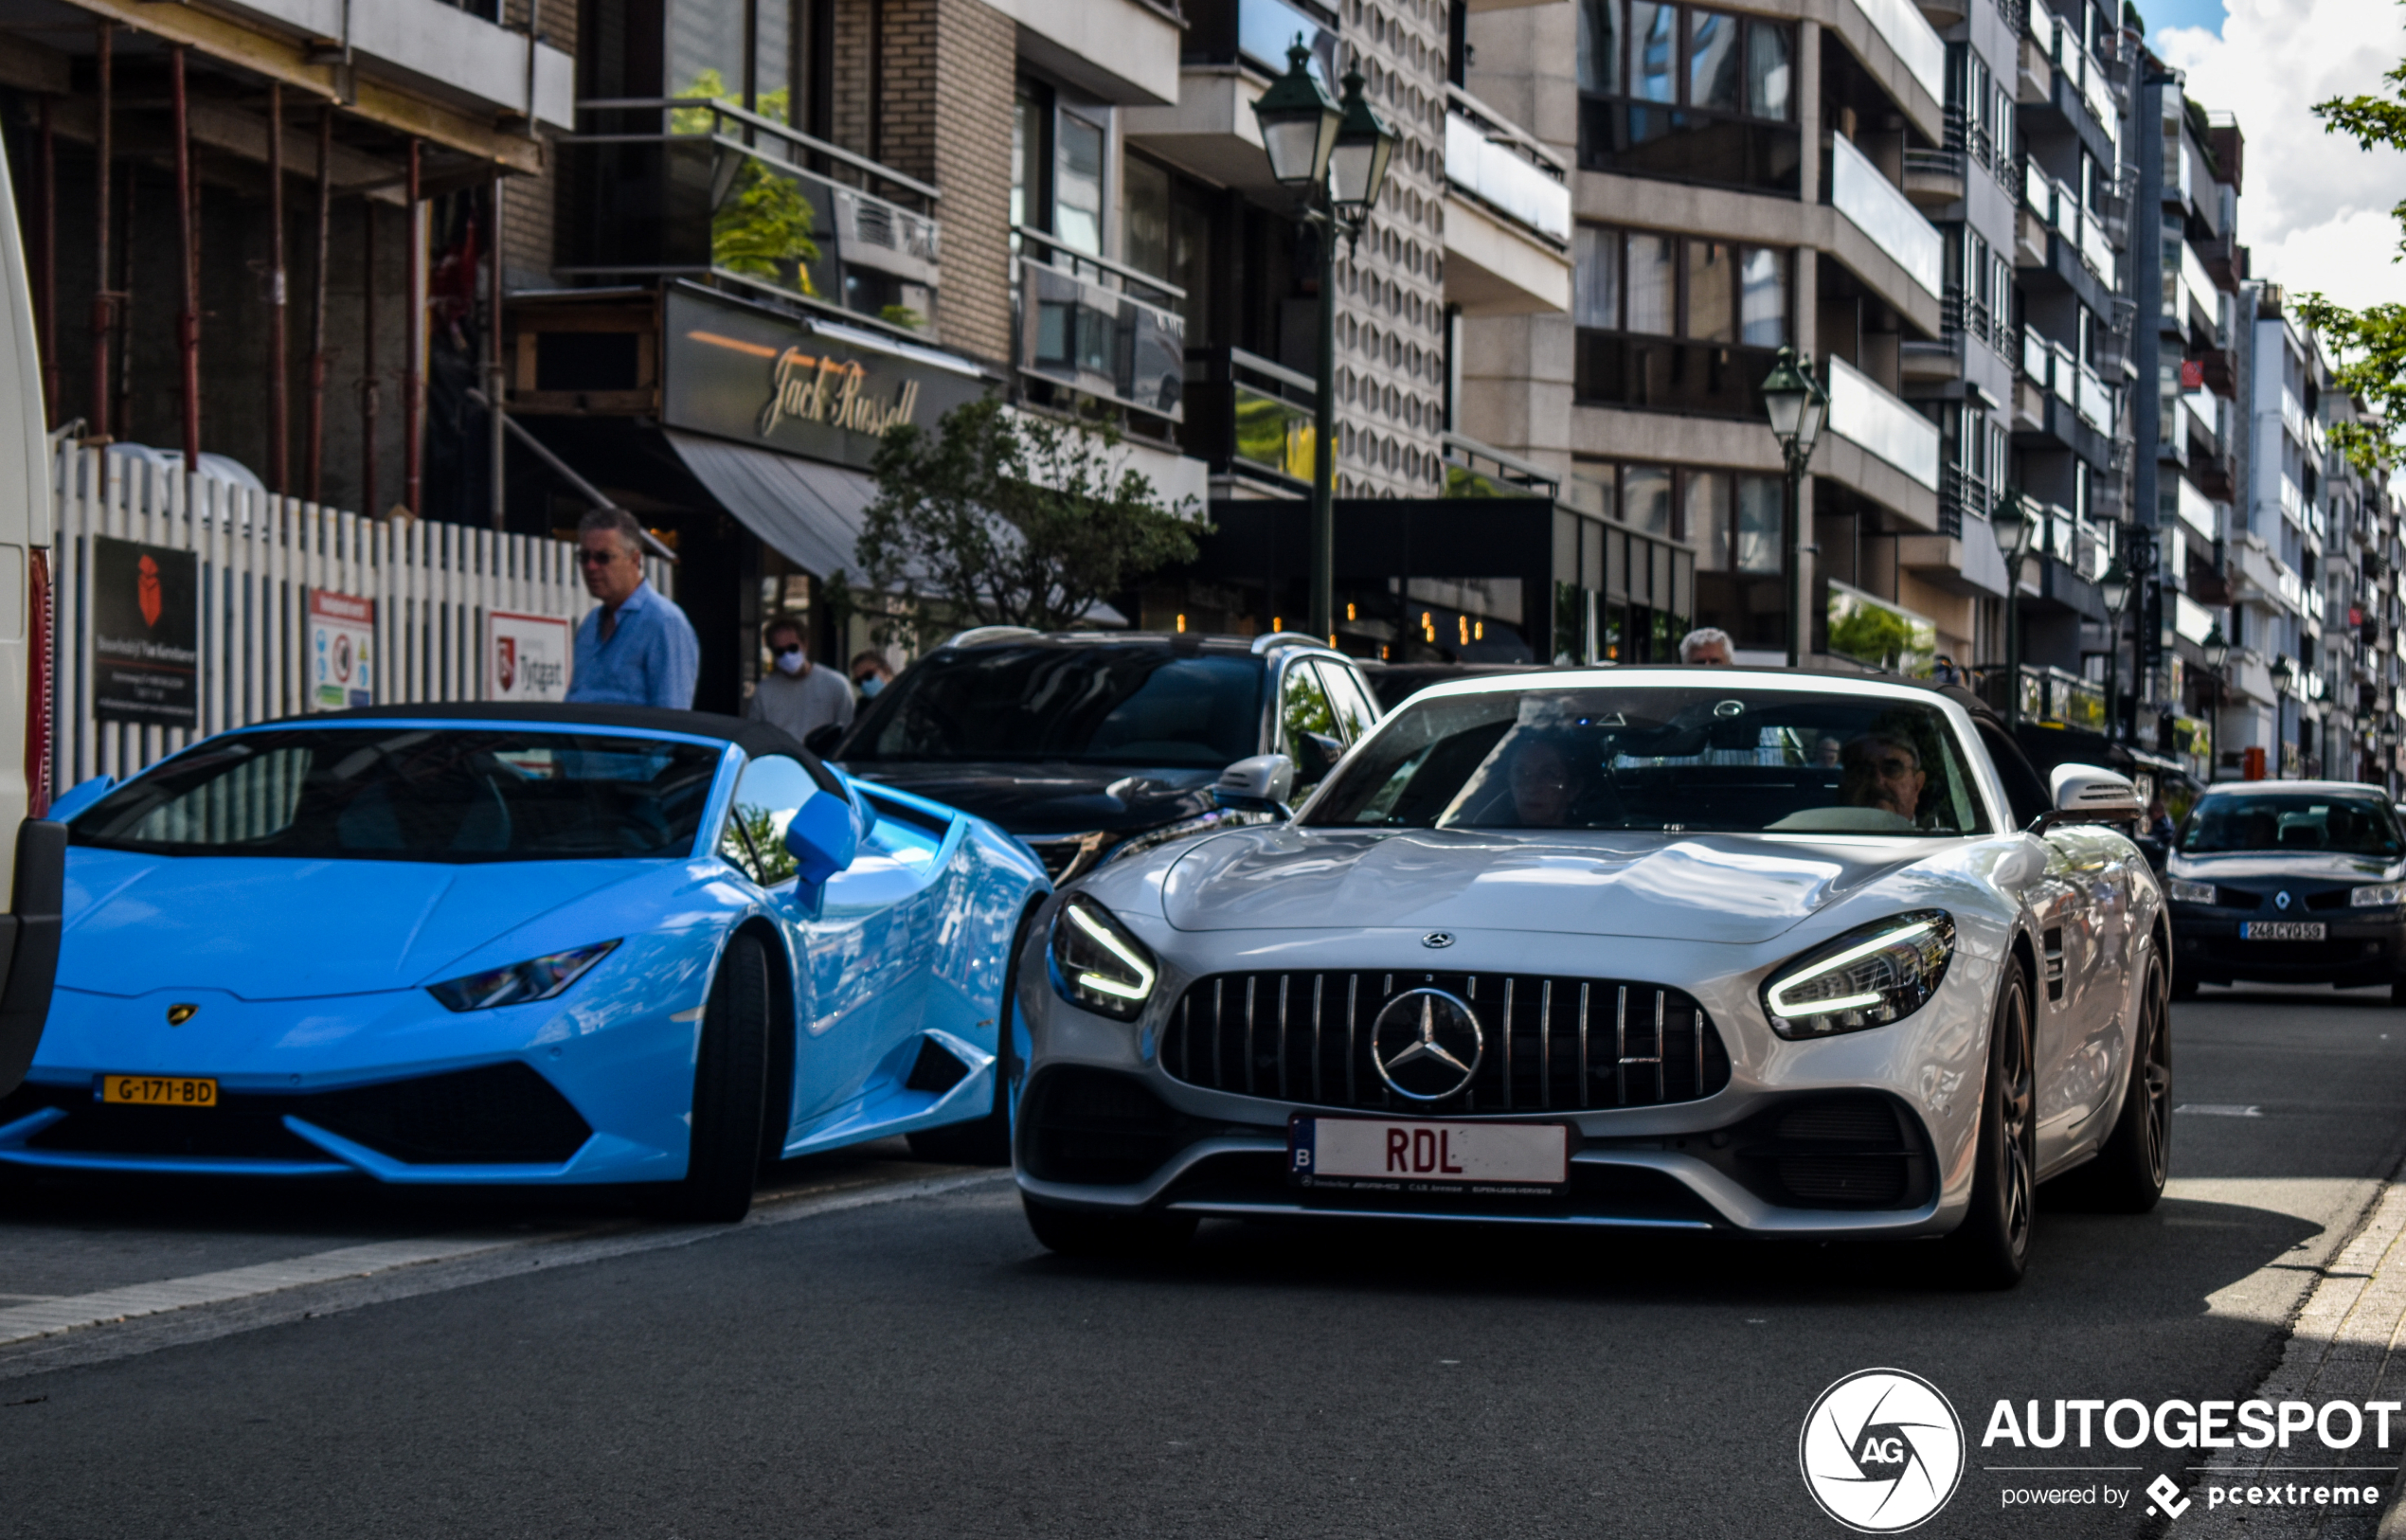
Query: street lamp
[2216, 649]
[1795, 405]
[2114, 587]
[2010, 522]
[1332, 156]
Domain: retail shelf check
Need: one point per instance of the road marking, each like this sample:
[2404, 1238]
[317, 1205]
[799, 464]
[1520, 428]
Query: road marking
[2219, 1109]
[437, 1260]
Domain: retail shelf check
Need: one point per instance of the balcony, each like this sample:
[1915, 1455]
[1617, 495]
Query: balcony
[1508, 217]
[1250, 418]
[439, 48]
[693, 187]
[1862, 413]
[1477, 470]
[1097, 328]
[1917, 47]
[1233, 50]
[1934, 178]
[1877, 208]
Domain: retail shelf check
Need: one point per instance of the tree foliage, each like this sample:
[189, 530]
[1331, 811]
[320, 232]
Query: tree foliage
[2370, 342]
[1005, 518]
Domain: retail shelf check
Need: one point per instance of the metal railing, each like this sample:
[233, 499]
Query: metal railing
[692, 185]
[1098, 327]
[1506, 169]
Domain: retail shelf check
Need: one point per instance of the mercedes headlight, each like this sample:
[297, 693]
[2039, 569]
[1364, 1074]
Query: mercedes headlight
[1097, 965]
[2186, 891]
[1868, 978]
[537, 978]
[2378, 896]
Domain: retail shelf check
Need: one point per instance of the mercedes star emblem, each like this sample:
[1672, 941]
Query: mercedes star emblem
[1438, 938]
[1426, 1045]
[178, 1014]
[2281, 900]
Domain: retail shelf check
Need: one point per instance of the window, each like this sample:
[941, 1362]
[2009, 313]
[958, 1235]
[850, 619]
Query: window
[1307, 729]
[1077, 184]
[1761, 514]
[1677, 323]
[1708, 517]
[1645, 498]
[1688, 94]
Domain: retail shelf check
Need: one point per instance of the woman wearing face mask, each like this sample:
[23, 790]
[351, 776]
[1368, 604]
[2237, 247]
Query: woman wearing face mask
[797, 695]
[871, 674]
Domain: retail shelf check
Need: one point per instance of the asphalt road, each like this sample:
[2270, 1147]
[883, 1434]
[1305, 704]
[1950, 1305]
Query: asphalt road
[919, 1367]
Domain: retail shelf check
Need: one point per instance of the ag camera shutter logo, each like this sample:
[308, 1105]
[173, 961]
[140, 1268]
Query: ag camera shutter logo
[1881, 1451]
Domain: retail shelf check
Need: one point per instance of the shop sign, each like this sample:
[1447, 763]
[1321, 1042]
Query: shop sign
[342, 651]
[146, 634]
[527, 657]
[735, 371]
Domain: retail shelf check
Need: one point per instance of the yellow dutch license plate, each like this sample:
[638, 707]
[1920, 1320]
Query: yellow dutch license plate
[158, 1090]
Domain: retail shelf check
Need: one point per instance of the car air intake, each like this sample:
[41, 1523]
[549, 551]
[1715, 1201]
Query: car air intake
[1091, 1126]
[503, 1114]
[1543, 1043]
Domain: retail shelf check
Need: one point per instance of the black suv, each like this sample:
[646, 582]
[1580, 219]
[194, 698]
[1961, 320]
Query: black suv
[1090, 745]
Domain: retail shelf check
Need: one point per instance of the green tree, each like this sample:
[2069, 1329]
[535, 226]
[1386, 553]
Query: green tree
[761, 227]
[2370, 342]
[1005, 518]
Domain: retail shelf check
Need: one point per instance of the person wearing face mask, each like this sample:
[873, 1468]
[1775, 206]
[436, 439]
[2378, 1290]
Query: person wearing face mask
[797, 695]
[871, 674]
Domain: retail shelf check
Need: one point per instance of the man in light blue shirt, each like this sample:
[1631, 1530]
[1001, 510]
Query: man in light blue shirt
[638, 649]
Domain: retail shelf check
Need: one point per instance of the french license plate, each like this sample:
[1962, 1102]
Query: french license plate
[157, 1090]
[2281, 930]
[1407, 1155]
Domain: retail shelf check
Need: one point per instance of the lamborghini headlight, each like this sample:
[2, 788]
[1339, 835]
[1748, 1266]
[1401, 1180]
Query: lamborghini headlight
[537, 978]
[1870, 977]
[2378, 896]
[1097, 964]
[2186, 891]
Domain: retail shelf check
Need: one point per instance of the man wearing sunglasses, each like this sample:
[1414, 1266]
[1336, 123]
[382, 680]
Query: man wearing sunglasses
[1880, 771]
[636, 649]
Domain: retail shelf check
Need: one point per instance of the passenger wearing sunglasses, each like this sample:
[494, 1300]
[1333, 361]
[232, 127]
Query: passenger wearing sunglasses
[636, 648]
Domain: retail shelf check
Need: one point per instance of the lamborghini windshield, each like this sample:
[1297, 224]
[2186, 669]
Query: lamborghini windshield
[1701, 758]
[413, 794]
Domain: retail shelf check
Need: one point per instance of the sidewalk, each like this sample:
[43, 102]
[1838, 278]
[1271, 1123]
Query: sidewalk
[2345, 1345]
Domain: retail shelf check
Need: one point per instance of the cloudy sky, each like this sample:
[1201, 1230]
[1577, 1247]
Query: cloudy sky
[2314, 209]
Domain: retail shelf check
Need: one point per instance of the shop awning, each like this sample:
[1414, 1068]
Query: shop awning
[806, 510]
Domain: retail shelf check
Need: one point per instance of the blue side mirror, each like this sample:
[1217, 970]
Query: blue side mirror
[824, 836]
[78, 797]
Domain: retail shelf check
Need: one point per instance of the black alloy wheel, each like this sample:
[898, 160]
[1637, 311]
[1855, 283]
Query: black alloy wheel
[1992, 1248]
[986, 1141]
[2129, 1174]
[730, 1091]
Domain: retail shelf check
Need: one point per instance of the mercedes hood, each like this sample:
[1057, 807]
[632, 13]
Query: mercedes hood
[1738, 889]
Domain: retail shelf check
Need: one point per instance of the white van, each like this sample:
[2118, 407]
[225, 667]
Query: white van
[32, 849]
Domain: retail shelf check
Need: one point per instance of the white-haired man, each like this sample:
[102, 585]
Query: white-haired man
[1706, 645]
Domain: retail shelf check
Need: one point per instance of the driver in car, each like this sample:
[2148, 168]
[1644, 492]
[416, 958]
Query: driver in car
[1541, 784]
[1878, 770]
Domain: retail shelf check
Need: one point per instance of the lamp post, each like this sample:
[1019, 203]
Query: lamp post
[2115, 589]
[1795, 404]
[2217, 648]
[1332, 156]
[2010, 523]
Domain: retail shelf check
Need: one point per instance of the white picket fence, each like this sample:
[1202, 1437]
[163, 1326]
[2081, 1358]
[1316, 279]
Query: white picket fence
[258, 557]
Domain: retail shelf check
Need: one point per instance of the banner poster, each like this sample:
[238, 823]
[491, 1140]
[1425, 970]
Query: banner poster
[527, 657]
[146, 634]
[342, 644]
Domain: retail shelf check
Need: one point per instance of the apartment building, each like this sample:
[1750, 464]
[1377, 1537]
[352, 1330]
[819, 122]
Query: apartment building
[1924, 200]
[256, 229]
[2311, 550]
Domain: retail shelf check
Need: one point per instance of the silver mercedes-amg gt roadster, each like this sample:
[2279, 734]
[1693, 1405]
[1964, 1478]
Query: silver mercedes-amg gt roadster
[1779, 954]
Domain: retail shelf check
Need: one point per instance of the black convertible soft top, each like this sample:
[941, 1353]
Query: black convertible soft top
[753, 738]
